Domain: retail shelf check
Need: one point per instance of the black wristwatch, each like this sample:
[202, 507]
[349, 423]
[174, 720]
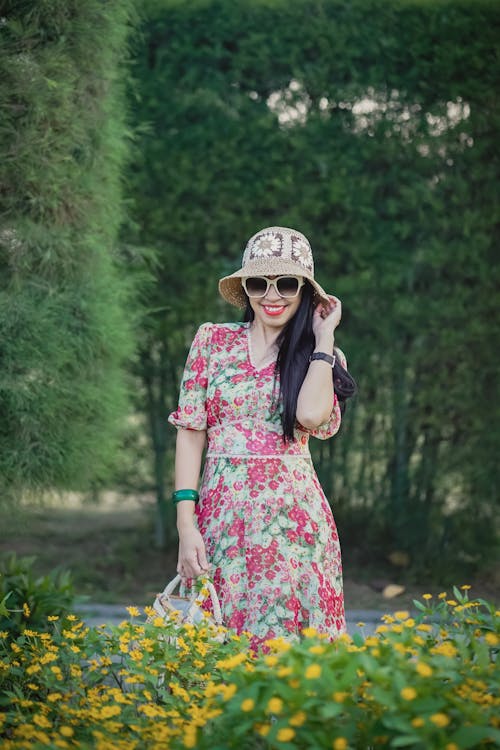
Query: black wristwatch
[330, 358]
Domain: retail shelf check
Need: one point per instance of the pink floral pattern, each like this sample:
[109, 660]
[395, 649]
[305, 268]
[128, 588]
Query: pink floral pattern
[268, 528]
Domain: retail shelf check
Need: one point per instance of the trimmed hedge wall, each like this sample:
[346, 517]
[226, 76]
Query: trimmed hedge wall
[371, 126]
[64, 335]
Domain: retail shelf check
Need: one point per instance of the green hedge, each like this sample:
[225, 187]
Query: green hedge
[371, 126]
[64, 335]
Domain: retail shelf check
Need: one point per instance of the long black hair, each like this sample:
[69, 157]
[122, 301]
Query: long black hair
[296, 343]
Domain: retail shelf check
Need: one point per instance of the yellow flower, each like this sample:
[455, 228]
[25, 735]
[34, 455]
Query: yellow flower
[274, 705]
[227, 691]
[339, 696]
[340, 743]
[442, 595]
[278, 644]
[41, 721]
[309, 632]
[263, 729]
[417, 722]
[313, 672]
[284, 671]
[298, 719]
[66, 731]
[247, 704]
[189, 739]
[271, 660]
[445, 649]
[424, 627]
[231, 661]
[451, 602]
[401, 615]
[317, 649]
[491, 639]
[451, 746]
[408, 693]
[423, 669]
[53, 618]
[294, 683]
[440, 720]
[426, 596]
[286, 734]
[26, 610]
[133, 611]
[465, 587]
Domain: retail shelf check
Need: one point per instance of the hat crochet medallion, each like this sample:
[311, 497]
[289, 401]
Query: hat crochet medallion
[274, 251]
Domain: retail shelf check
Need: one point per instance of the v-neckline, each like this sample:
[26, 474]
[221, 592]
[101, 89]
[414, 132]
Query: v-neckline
[266, 363]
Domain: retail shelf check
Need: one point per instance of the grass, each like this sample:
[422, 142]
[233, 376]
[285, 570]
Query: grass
[109, 549]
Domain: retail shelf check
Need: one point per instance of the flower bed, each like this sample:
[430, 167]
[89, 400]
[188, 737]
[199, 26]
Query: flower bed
[428, 682]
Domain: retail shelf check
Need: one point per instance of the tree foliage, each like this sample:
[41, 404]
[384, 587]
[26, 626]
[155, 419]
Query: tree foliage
[371, 126]
[64, 334]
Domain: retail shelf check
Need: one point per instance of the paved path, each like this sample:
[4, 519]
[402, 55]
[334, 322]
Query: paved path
[112, 614]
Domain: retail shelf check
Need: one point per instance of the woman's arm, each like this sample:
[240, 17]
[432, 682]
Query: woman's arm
[315, 400]
[192, 560]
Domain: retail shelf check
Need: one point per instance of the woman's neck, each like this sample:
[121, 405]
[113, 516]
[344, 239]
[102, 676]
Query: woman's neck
[264, 335]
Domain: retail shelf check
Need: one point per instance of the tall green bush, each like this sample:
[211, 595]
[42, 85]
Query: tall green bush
[371, 126]
[64, 334]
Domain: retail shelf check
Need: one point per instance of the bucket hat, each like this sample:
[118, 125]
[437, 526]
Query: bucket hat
[274, 251]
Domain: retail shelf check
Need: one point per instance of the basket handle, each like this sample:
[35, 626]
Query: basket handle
[197, 599]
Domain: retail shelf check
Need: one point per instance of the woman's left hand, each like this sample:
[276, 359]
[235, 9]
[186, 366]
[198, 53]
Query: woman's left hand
[326, 317]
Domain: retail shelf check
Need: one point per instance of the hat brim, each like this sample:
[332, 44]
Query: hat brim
[231, 289]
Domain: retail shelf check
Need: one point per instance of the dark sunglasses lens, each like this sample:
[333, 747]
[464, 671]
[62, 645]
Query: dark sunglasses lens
[256, 286]
[288, 286]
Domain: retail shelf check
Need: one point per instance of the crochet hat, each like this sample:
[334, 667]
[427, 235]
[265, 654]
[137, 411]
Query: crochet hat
[275, 251]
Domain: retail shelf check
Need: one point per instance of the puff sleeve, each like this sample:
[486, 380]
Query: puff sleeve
[191, 411]
[332, 425]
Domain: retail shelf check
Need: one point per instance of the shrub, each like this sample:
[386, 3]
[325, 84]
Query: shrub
[27, 600]
[427, 683]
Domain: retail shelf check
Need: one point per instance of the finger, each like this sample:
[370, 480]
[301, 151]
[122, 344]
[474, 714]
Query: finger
[202, 560]
[193, 569]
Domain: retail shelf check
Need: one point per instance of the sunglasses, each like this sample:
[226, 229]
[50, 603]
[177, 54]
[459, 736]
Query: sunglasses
[286, 286]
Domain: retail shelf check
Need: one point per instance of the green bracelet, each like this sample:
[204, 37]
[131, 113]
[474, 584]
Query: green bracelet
[179, 495]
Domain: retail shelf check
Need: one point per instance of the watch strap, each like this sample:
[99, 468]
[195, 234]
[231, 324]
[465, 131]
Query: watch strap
[330, 358]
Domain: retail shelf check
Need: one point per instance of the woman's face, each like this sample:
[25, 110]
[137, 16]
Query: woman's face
[272, 310]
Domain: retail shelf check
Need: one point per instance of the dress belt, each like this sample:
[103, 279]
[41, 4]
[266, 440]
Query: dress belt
[246, 456]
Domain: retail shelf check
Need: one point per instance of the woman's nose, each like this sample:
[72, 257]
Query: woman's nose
[272, 294]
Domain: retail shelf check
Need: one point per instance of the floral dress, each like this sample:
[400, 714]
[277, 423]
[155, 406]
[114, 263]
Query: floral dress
[268, 529]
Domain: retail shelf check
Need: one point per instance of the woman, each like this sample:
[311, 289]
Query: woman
[258, 390]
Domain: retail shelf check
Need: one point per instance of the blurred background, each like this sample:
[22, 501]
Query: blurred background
[142, 143]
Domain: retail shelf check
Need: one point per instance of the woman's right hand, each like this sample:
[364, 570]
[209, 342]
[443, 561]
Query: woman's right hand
[192, 560]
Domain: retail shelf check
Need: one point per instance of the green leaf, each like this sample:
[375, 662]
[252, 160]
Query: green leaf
[4, 612]
[406, 740]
